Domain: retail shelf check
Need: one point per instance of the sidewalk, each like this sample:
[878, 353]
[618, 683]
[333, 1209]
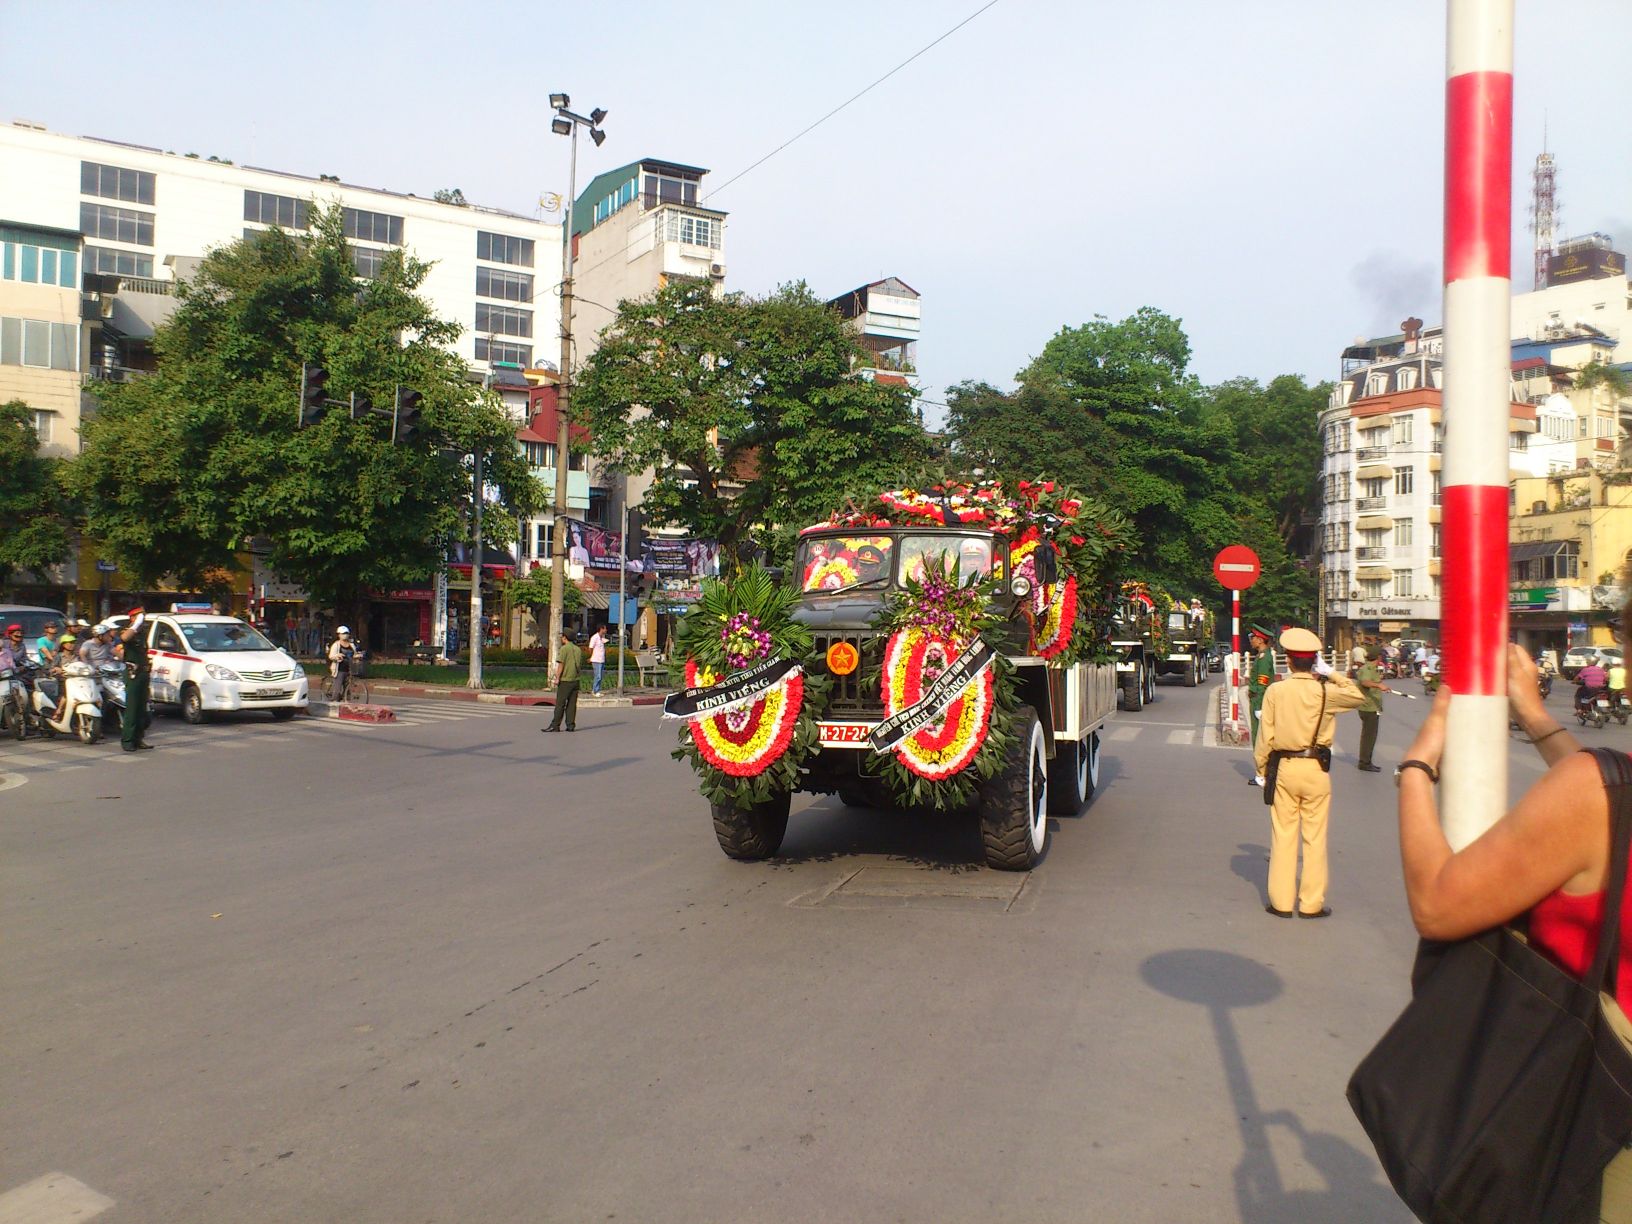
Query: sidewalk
[529, 697]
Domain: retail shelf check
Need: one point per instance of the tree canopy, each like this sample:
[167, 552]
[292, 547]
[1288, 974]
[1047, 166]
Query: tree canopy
[181, 469]
[746, 410]
[1112, 408]
[33, 504]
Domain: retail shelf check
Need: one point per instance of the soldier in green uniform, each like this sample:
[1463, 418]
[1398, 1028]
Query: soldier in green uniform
[1259, 677]
[134, 727]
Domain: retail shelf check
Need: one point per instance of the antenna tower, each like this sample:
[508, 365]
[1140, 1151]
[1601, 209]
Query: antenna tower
[1543, 210]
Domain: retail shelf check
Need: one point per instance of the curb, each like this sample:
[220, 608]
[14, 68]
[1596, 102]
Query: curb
[1230, 734]
[534, 698]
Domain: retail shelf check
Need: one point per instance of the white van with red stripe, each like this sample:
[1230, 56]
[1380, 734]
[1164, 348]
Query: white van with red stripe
[205, 664]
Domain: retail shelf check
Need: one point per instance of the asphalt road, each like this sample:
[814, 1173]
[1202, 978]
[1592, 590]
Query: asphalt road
[454, 970]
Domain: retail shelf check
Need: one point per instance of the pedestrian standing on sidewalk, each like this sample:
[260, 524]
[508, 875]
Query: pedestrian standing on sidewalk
[1299, 716]
[569, 664]
[1370, 679]
[597, 656]
[1259, 677]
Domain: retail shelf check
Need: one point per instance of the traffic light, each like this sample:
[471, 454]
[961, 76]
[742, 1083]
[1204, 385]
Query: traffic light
[313, 402]
[405, 419]
[361, 406]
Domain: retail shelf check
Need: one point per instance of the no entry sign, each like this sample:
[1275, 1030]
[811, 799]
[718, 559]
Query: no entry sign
[1236, 567]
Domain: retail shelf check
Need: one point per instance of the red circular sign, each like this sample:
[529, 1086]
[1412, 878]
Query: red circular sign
[1236, 567]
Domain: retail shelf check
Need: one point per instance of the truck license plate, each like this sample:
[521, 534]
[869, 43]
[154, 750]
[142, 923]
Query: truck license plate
[844, 735]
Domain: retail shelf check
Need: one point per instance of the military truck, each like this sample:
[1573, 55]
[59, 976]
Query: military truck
[1136, 642]
[1190, 639]
[1053, 767]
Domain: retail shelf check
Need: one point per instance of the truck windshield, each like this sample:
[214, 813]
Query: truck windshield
[972, 554]
[838, 563]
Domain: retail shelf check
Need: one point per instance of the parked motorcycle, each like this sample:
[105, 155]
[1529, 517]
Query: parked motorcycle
[13, 703]
[81, 712]
[1621, 707]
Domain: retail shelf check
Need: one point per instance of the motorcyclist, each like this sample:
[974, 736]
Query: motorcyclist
[67, 652]
[1590, 681]
[12, 654]
[1617, 682]
[98, 649]
[46, 644]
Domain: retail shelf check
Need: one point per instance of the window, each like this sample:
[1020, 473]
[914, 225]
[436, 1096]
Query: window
[1402, 431]
[690, 229]
[1437, 495]
[116, 224]
[42, 424]
[164, 638]
[1435, 581]
[38, 259]
[1404, 480]
[115, 183]
[498, 350]
[539, 454]
[1374, 488]
[504, 320]
[1518, 440]
[35, 342]
[1371, 588]
[1376, 436]
[542, 531]
[1402, 583]
[506, 286]
[1434, 545]
[1377, 384]
[1402, 532]
[117, 263]
[367, 261]
[1408, 379]
[661, 188]
[286, 212]
[373, 226]
[502, 248]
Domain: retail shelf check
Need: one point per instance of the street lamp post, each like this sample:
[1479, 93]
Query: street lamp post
[565, 123]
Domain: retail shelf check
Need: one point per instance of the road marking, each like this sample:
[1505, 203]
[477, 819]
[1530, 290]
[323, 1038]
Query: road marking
[1121, 734]
[11, 781]
[1187, 736]
[55, 1198]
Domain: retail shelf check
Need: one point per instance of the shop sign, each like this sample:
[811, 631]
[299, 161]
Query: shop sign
[1417, 610]
[1532, 599]
[106, 567]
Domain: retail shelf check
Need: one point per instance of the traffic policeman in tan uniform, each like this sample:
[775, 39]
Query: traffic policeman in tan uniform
[1295, 737]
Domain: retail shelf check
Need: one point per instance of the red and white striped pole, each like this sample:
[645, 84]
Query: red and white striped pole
[1478, 203]
[1235, 658]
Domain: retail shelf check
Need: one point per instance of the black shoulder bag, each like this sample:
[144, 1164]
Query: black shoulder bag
[1503, 1090]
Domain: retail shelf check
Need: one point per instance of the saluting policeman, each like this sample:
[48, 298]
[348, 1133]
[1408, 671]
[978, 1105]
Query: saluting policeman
[1296, 735]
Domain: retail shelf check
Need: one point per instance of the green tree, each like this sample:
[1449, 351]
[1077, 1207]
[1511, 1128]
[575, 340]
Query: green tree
[746, 411]
[180, 469]
[37, 528]
[532, 591]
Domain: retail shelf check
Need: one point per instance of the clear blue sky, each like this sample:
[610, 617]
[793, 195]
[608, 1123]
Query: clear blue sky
[1268, 171]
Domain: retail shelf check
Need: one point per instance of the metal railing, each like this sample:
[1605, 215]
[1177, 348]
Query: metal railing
[1368, 453]
[146, 284]
[1364, 504]
[1371, 552]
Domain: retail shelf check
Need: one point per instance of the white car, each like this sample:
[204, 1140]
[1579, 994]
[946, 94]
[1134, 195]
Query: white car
[208, 663]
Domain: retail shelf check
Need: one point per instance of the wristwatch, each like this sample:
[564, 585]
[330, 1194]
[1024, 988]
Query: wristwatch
[1399, 770]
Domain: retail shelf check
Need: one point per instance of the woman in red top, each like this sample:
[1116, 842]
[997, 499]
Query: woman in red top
[1549, 855]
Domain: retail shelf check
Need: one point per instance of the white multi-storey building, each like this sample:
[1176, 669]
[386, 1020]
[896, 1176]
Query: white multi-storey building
[1380, 529]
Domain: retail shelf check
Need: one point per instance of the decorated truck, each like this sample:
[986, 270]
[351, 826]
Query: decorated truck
[1189, 638]
[940, 650]
[1139, 641]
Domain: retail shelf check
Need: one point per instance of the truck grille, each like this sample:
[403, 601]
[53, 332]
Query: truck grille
[855, 694]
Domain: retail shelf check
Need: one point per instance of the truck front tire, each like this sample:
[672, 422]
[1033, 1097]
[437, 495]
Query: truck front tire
[752, 833]
[1073, 775]
[1133, 689]
[1014, 803]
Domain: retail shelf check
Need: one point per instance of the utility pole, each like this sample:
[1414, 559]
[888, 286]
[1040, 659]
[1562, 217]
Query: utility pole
[565, 123]
[475, 680]
[623, 608]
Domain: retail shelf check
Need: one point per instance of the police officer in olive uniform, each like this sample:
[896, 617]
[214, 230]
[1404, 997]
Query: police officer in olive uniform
[137, 669]
[1296, 732]
[1259, 677]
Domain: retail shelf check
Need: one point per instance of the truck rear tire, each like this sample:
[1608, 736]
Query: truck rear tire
[1073, 775]
[1014, 803]
[1192, 673]
[1150, 684]
[1133, 690]
[754, 833]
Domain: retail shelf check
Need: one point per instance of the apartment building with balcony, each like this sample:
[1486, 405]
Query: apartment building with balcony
[1380, 532]
[887, 317]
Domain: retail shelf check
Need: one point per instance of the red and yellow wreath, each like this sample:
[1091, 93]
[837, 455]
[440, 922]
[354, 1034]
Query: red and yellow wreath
[912, 660]
[748, 739]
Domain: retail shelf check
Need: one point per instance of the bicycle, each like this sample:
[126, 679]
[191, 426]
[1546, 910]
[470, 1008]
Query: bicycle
[349, 688]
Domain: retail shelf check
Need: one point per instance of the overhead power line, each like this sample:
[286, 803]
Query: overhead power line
[806, 131]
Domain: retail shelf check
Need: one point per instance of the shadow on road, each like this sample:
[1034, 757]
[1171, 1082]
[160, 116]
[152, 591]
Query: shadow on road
[828, 831]
[1223, 982]
[1251, 863]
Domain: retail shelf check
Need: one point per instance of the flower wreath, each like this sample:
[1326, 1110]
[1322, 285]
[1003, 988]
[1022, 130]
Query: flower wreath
[750, 753]
[931, 623]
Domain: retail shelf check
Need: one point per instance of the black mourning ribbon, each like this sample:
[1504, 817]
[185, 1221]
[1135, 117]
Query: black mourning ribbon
[942, 692]
[739, 689]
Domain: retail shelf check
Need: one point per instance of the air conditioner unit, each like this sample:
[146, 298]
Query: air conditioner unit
[1354, 594]
[717, 271]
